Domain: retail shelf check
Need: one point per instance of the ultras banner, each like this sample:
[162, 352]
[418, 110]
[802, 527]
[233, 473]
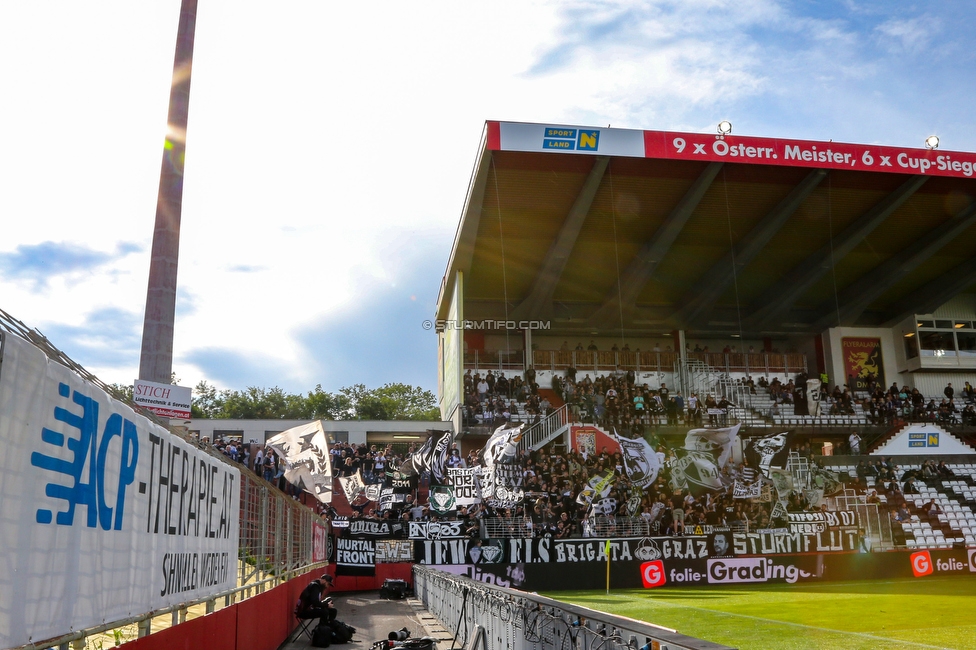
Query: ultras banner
[105, 514]
[782, 542]
[514, 551]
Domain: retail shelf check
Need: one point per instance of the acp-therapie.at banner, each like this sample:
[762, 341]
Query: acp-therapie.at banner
[105, 514]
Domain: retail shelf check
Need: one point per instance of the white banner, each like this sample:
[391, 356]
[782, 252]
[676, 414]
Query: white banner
[105, 514]
[352, 486]
[165, 400]
[464, 480]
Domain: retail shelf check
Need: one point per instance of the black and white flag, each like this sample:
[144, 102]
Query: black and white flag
[769, 451]
[431, 457]
[597, 489]
[464, 480]
[640, 461]
[501, 477]
[305, 452]
[352, 486]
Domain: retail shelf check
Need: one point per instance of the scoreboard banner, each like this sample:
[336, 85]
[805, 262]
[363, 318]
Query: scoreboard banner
[704, 147]
[105, 514]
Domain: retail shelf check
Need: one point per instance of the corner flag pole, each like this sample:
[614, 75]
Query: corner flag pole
[607, 553]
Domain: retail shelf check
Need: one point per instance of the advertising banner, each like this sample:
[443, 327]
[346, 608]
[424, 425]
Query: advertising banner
[107, 514]
[709, 147]
[862, 357]
[165, 400]
[320, 543]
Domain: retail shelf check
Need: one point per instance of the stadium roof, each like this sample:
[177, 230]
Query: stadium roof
[708, 233]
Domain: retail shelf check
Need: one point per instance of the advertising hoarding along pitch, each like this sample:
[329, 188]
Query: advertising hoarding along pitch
[107, 515]
[705, 147]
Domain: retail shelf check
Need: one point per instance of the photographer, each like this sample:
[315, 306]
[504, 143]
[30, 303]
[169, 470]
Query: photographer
[314, 601]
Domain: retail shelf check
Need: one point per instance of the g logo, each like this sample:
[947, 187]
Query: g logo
[921, 563]
[652, 573]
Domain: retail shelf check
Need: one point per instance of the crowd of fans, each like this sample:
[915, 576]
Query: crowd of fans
[551, 483]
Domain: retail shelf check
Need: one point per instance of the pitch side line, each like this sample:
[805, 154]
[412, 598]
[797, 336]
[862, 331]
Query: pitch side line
[808, 627]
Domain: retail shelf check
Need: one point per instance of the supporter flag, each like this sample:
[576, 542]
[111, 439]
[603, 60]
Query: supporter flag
[769, 451]
[441, 499]
[696, 471]
[431, 457]
[640, 461]
[597, 489]
[698, 467]
[305, 452]
[633, 505]
[373, 491]
[719, 442]
[748, 485]
[352, 486]
[501, 477]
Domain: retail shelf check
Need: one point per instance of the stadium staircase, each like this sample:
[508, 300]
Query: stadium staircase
[698, 378]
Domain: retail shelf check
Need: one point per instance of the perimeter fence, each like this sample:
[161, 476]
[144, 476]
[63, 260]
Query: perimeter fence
[487, 617]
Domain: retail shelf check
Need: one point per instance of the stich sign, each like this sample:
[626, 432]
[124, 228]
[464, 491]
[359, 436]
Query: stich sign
[165, 400]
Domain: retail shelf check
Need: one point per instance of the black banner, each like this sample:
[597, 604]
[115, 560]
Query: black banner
[355, 557]
[786, 543]
[372, 529]
[574, 551]
[435, 529]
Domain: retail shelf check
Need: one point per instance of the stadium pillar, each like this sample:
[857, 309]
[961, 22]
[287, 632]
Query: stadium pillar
[527, 356]
[156, 358]
[679, 344]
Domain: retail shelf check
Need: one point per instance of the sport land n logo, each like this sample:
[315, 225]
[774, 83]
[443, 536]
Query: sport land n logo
[652, 573]
[921, 563]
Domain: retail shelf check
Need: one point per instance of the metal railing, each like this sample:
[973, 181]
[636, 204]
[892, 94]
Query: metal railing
[545, 430]
[495, 360]
[604, 527]
[488, 617]
[506, 527]
[874, 524]
[760, 363]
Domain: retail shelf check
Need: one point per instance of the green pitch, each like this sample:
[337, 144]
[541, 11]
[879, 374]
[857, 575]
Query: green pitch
[890, 615]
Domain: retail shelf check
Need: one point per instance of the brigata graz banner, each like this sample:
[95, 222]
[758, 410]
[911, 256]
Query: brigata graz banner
[107, 514]
[562, 551]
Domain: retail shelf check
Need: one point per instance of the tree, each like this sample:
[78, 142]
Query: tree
[207, 402]
[390, 402]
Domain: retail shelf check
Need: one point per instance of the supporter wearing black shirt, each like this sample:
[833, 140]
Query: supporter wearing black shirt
[314, 602]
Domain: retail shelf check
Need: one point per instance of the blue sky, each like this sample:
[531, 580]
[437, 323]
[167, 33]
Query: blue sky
[329, 149]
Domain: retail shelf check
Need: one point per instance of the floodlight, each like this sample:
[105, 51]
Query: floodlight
[932, 142]
[724, 127]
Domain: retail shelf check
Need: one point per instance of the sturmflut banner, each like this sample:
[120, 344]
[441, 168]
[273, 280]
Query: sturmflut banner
[104, 514]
